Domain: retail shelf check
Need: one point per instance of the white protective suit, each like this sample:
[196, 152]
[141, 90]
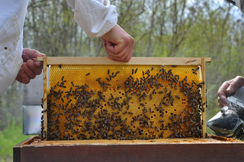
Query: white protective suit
[95, 17]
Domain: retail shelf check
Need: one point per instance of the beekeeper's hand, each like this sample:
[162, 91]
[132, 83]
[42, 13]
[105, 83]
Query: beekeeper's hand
[227, 88]
[118, 44]
[30, 67]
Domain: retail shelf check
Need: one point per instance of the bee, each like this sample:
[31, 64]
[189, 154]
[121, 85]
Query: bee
[136, 70]
[87, 74]
[165, 89]
[142, 104]
[128, 107]
[156, 128]
[177, 96]
[194, 70]
[175, 87]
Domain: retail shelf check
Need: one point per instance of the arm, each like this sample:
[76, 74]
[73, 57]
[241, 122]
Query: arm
[99, 19]
[227, 88]
[95, 17]
[30, 67]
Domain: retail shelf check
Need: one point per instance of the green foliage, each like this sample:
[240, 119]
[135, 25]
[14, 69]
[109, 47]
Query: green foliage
[10, 105]
[10, 136]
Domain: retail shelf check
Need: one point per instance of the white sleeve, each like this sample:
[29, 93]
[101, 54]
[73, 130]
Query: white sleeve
[95, 17]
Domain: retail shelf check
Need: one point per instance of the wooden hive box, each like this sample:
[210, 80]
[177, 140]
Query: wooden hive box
[189, 149]
[149, 109]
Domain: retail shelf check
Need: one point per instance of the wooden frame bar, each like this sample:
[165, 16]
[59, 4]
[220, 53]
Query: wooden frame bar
[133, 61]
[44, 96]
[204, 114]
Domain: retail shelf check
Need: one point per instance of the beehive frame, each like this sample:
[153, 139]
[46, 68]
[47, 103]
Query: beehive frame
[194, 65]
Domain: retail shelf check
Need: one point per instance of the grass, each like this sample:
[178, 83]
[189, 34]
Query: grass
[9, 137]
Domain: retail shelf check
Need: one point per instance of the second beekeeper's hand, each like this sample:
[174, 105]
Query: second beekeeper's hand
[118, 44]
[30, 67]
[227, 88]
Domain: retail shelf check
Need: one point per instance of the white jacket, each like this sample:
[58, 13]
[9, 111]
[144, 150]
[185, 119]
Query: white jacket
[95, 17]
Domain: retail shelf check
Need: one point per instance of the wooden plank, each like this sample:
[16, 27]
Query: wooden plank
[133, 61]
[17, 148]
[204, 116]
[142, 153]
[35, 141]
[38, 143]
[44, 97]
[200, 150]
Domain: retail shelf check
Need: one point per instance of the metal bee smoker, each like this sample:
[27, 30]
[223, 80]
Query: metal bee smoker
[229, 122]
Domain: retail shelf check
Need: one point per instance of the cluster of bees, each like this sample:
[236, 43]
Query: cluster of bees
[143, 104]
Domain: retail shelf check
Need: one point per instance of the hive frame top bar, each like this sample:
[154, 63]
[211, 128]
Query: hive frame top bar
[133, 60]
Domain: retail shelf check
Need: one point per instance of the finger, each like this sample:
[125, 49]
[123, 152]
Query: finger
[129, 54]
[111, 58]
[235, 84]
[116, 47]
[22, 77]
[122, 52]
[223, 88]
[38, 64]
[222, 93]
[128, 57]
[113, 49]
[222, 102]
[31, 54]
[123, 56]
[126, 43]
[32, 66]
[116, 58]
[28, 71]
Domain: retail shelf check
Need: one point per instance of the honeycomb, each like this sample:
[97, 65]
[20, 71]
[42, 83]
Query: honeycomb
[124, 102]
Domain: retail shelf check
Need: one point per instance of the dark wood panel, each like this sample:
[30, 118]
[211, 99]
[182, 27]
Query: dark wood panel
[176, 152]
